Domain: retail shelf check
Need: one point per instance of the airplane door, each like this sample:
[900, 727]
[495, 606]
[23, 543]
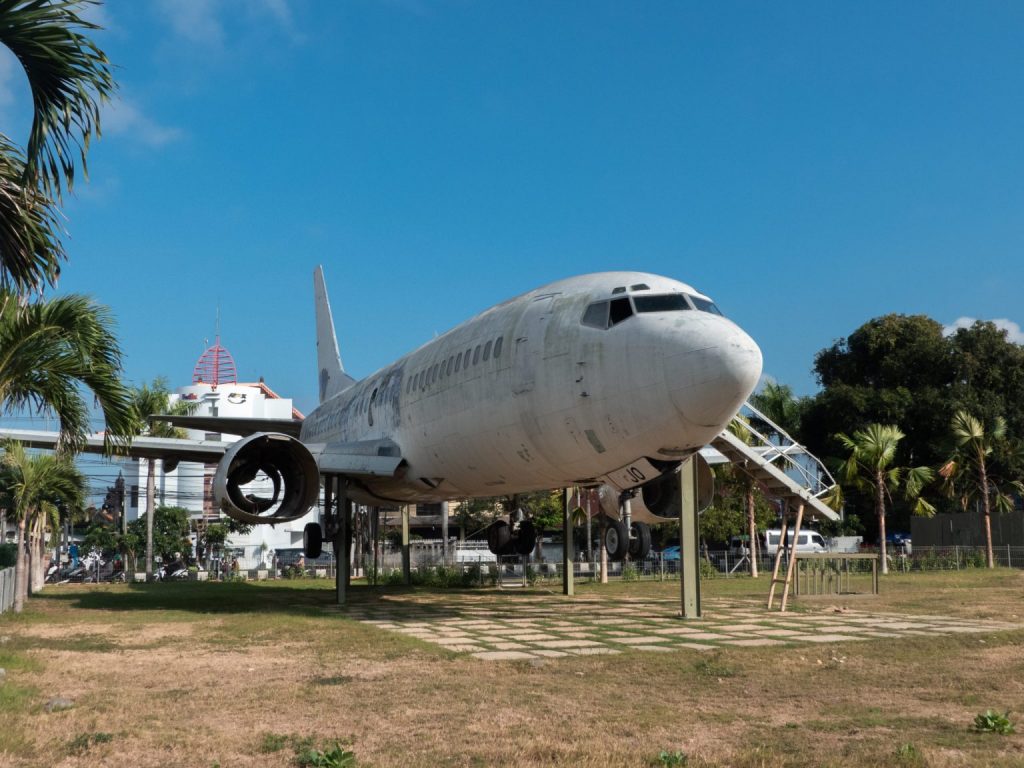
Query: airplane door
[530, 344]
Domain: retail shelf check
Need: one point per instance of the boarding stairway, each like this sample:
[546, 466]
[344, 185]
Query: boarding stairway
[783, 467]
[786, 471]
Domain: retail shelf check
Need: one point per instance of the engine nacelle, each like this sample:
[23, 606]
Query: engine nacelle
[266, 462]
[657, 500]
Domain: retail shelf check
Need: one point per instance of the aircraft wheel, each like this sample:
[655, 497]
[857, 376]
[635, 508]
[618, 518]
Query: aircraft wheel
[312, 540]
[616, 539]
[499, 534]
[640, 543]
[527, 538]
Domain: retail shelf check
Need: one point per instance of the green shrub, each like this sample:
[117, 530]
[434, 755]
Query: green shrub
[993, 722]
[630, 572]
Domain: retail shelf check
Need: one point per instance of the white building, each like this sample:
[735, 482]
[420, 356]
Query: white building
[216, 392]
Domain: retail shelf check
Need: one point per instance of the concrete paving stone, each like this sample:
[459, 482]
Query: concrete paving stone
[754, 641]
[831, 638]
[550, 654]
[503, 655]
[454, 640]
[567, 643]
[662, 648]
[876, 633]
[465, 648]
[598, 650]
[529, 637]
[612, 621]
[675, 631]
[509, 646]
[706, 636]
[696, 646]
[778, 632]
[745, 627]
[641, 640]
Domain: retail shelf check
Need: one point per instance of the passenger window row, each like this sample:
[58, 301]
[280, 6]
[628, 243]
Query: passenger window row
[455, 363]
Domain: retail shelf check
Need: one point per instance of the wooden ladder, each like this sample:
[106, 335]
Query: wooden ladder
[791, 564]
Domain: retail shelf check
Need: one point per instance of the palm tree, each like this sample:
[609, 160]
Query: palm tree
[869, 467]
[50, 347]
[966, 474]
[33, 488]
[778, 403]
[149, 400]
[733, 480]
[69, 78]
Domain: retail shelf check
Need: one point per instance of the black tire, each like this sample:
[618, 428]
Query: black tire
[640, 542]
[499, 535]
[526, 539]
[312, 540]
[616, 539]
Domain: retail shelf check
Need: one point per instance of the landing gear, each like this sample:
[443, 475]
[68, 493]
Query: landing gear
[504, 539]
[312, 540]
[639, 541]
[616, 539]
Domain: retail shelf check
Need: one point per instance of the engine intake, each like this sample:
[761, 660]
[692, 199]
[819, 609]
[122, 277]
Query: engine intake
[261, 464]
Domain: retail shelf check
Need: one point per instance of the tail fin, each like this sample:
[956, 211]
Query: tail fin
[333, 378]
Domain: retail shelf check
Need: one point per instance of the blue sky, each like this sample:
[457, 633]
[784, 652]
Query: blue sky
[809, 165]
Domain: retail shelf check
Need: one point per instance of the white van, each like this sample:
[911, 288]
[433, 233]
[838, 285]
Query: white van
[807, 541]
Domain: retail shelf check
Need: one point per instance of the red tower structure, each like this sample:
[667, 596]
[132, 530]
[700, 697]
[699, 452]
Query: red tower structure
[215, 366]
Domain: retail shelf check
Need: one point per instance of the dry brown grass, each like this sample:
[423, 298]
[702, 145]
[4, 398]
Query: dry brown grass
[209, 674]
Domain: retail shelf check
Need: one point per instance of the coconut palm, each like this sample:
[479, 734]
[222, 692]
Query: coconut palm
[778, 403]
[150, 400]
[48, 349]
[966, 474]
[69, 77]
[33, 488]
[870, 468]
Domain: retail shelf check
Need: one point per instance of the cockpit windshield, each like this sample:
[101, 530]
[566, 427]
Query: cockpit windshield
[667, 302]
[704, 305]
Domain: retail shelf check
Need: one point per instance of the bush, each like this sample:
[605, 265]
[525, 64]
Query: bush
[8, 555]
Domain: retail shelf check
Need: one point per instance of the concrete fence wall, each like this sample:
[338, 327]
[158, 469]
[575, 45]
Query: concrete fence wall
[6, 589]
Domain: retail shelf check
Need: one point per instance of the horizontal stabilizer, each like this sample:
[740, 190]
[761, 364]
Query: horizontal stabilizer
[233, 425]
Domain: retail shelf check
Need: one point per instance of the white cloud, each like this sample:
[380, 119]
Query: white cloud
[195, 20]
[1013, 330]
[121, 117]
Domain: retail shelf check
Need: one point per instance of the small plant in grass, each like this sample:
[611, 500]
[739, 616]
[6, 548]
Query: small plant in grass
[908, 754]
[675, 759]
[335, 757]
[272, 742]
[630, 573]
[81, 743]
[713, 666]
[993, 722]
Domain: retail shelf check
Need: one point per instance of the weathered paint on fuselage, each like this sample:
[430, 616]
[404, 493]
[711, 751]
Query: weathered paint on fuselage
[562, 402]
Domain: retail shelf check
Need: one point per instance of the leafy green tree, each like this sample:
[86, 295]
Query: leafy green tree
[49, 348]
[170, 526]
[69, 78]
[33, 487]
[778, 403]
[871, 466]
[146, 401]
[967, 474]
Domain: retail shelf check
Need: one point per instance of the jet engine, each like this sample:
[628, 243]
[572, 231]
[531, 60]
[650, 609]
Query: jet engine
[266, 478]
[657, 500]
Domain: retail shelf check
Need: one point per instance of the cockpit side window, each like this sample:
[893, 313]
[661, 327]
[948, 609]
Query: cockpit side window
[705, 306]
[620, 310]
[667, 302]
[596, 315]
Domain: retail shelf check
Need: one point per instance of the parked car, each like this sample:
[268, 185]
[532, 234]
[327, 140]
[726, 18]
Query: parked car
[807, 541]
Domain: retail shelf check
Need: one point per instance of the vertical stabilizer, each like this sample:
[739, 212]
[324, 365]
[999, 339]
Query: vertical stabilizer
[333, 378]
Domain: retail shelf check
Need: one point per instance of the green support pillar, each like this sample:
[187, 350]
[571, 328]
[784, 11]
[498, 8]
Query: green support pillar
[406, 560]
[343, 542]
[689, 576]
[568, 580]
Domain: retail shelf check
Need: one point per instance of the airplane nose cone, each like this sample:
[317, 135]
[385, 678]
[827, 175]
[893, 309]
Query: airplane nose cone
[710, 384]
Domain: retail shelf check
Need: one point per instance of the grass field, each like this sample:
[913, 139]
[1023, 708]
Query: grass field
[244, 674]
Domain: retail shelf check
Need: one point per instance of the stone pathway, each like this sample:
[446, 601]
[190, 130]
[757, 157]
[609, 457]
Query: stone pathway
[529, 628]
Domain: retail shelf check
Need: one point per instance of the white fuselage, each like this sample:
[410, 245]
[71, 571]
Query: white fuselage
[535, 394]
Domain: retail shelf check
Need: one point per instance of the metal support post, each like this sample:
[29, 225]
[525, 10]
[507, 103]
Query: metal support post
[568, 582]
[444, 532]
[603, 550]
[343, 540]
[406, 560]
[689, 576]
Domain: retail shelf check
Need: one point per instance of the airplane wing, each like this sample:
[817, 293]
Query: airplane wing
[204, 451]
[233, 425]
